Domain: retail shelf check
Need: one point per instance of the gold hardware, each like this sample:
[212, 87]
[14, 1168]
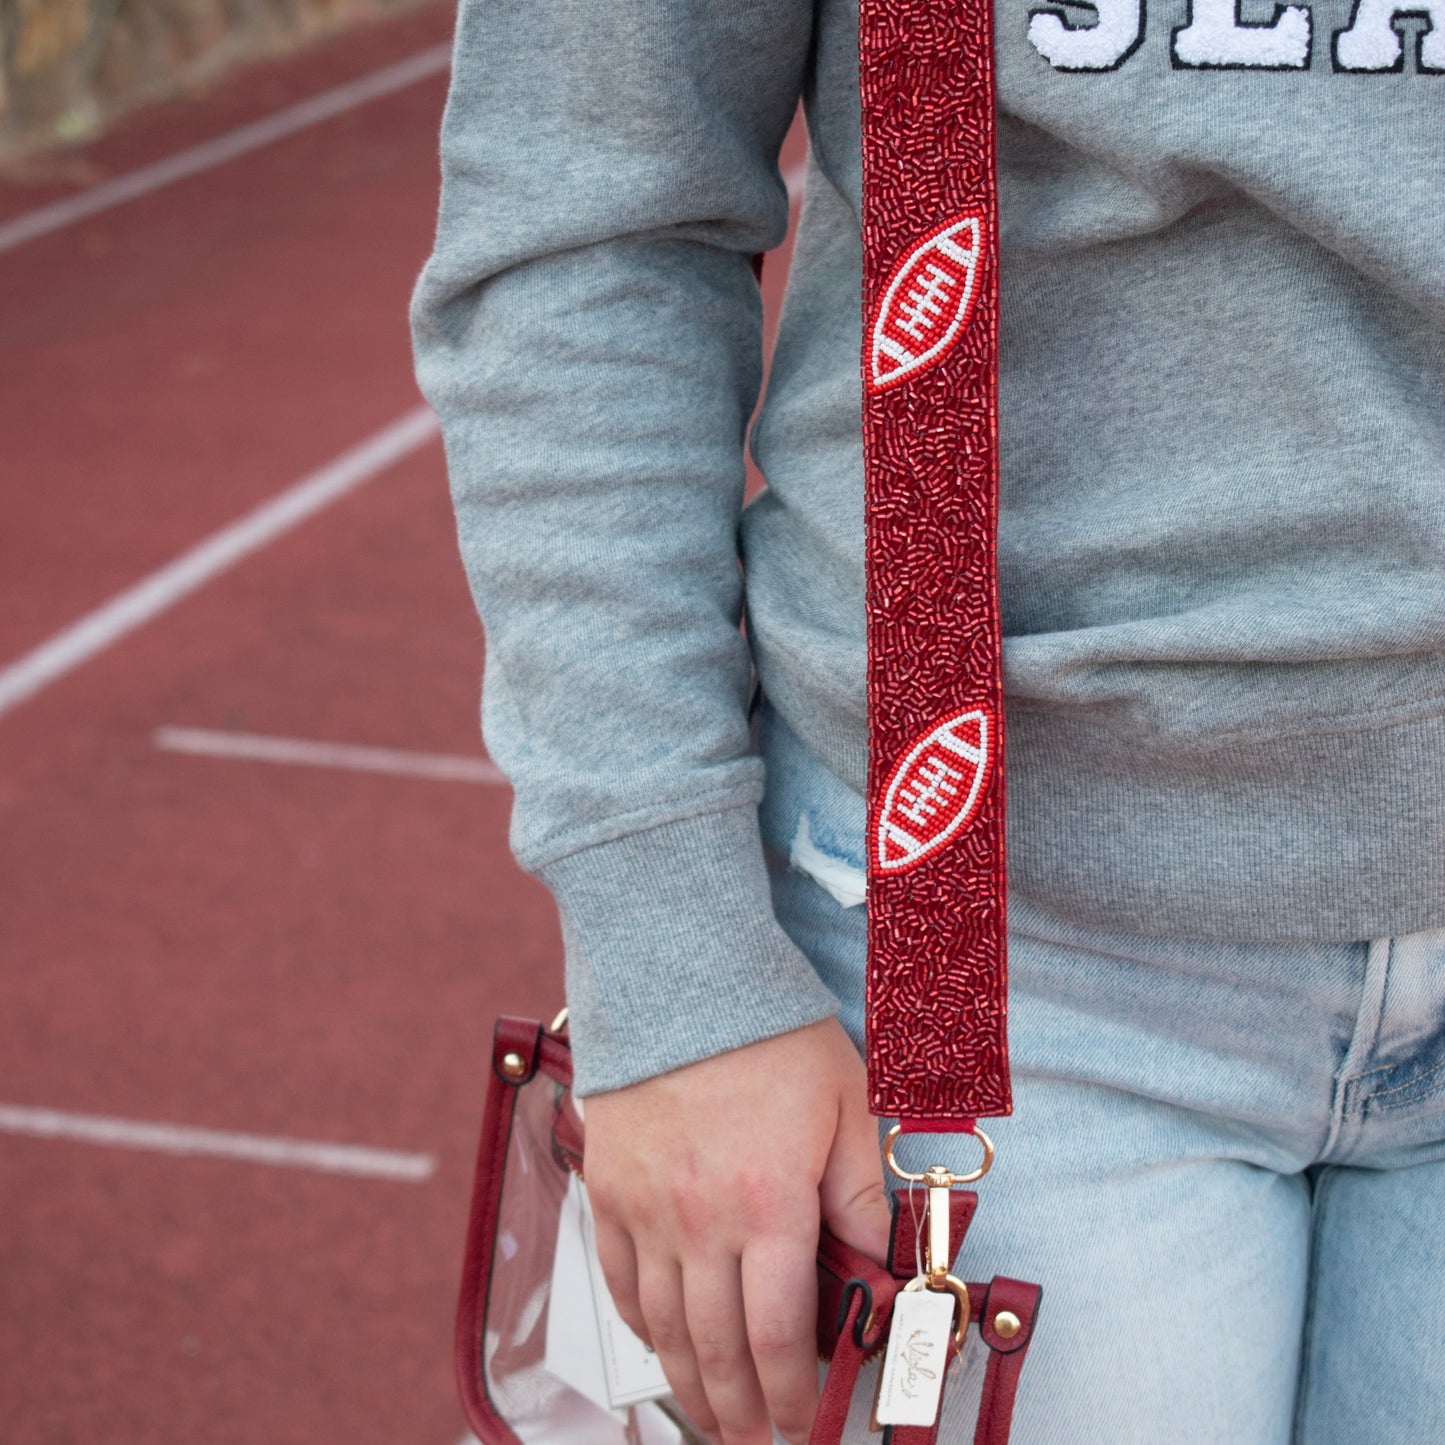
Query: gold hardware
[940, 1180]
[959, 1291]
[558, 1024]
[1006, 1324]
[514, 1066]
[938, 1170]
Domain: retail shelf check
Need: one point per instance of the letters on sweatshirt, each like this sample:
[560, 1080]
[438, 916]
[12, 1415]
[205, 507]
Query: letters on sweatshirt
[1103, 34]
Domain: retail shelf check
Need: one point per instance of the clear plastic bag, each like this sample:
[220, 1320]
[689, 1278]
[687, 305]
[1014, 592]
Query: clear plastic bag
[531, 1147]
[530, 1144]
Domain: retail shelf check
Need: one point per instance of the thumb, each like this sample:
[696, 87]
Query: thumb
[851, 1193]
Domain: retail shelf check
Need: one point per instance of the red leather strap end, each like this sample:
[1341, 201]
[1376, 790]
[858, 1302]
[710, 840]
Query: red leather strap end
[852, 1347]
[543, 1053]
[1020, 1300]
[1006, 1355]
[538, 1050]
[477, 1266]
[903, 1249]
[937, 1126]
[569, 1138]
[840, 1268]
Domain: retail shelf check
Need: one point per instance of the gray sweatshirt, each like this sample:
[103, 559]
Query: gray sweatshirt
[1223, 527]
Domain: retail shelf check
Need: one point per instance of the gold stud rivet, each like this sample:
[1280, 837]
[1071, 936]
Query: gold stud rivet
[1006, 1324]
[514, 1066]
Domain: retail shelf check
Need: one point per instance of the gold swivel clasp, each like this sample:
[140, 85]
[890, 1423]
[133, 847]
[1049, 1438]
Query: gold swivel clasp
[937, 1254]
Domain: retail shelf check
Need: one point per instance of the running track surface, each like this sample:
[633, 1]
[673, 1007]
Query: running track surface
[257, 897]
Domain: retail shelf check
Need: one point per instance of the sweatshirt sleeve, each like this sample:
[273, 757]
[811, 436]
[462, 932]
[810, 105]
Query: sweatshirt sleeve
[588, 329]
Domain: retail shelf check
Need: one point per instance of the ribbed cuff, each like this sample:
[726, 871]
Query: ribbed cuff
[673, 950]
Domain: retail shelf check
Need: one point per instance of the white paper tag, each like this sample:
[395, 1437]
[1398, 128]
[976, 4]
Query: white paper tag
[589, 1345]
[917, 1358]
[574, 1351]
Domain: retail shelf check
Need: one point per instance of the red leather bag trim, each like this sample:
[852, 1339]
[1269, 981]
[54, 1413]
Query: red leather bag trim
[843, 1272]
[569, 1139]
[1019, 1299]
[538, 1050]
[832, 1417]
[555, 1059]
[481, 1414]
[1006, 1357]
[522, 1037]
[845, 1263]
[903, 1250]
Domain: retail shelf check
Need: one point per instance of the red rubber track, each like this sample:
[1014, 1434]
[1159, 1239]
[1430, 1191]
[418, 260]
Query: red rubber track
[276, 950]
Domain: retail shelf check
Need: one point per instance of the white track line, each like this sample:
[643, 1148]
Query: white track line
[218, 1144]
[152, 595]
[239, 142]
[259, 748]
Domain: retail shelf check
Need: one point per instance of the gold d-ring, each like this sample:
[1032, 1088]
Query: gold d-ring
[950, 1285]
[924, 1178]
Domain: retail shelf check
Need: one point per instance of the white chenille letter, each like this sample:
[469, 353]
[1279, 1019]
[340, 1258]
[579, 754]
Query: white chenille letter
[1105, 45]
[1215, 38]
[1373, 43]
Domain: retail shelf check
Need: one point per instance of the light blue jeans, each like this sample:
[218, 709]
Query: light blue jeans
[1226, 1166]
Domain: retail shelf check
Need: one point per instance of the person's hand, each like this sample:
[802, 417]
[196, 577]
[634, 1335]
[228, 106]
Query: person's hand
[708, 1185]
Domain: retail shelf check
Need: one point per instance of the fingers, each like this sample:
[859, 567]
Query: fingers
[660, 1290]
[737, 1341]
[711, 1259]
[854, 1204]
[780, 1294]
[713, 1298]
[618, 1259]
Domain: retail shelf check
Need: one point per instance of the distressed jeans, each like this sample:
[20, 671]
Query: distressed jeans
[1226, 1164]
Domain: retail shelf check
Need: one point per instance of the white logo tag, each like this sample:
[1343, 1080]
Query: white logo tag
[589, 1345]
[918, 1358]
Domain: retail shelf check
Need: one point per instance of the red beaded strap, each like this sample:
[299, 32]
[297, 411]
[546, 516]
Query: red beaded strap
[937, 988]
